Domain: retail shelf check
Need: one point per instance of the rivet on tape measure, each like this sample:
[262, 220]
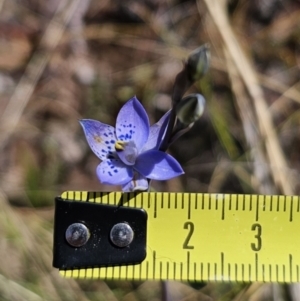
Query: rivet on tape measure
[177, 236]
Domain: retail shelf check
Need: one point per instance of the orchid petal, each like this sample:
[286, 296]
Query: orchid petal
[138, 183]
[129, 153]
[114, 172]
[157, 165]
[133, 123]
[156, 133]
[100, 137]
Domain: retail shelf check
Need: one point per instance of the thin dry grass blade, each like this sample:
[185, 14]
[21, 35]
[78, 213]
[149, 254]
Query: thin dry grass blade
[292, 93]
[18, 101]
[248, 118]
[280, 169]
[273, 84]
[11, 290]
[33, 238]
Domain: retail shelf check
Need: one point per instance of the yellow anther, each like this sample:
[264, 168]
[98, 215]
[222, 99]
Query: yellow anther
[119, 145]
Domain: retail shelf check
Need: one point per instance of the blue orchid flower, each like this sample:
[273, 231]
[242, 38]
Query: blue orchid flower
[130, 152]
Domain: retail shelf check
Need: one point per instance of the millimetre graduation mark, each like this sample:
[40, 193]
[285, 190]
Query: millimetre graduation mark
[222, 263]
[291, 266]
[154, 262]
[188, 264]
[189, 207]
[291, 210]
[223, 209]
[256, 267]
[155, 207]
[257, 208]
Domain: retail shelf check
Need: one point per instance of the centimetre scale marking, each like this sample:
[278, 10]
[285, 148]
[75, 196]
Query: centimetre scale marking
[191, 267]
[194, 271]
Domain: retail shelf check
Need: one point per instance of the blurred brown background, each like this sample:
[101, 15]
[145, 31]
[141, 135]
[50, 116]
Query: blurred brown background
[63, 60]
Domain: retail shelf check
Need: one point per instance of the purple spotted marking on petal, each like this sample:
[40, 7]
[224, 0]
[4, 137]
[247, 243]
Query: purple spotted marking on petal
[114, 172]
[100, 137]
[133, 123]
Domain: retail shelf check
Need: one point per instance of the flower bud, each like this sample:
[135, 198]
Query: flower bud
[198, 62]
[190, 108]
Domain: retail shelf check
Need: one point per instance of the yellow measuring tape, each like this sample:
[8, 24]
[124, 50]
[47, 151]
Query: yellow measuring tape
[214, 237]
